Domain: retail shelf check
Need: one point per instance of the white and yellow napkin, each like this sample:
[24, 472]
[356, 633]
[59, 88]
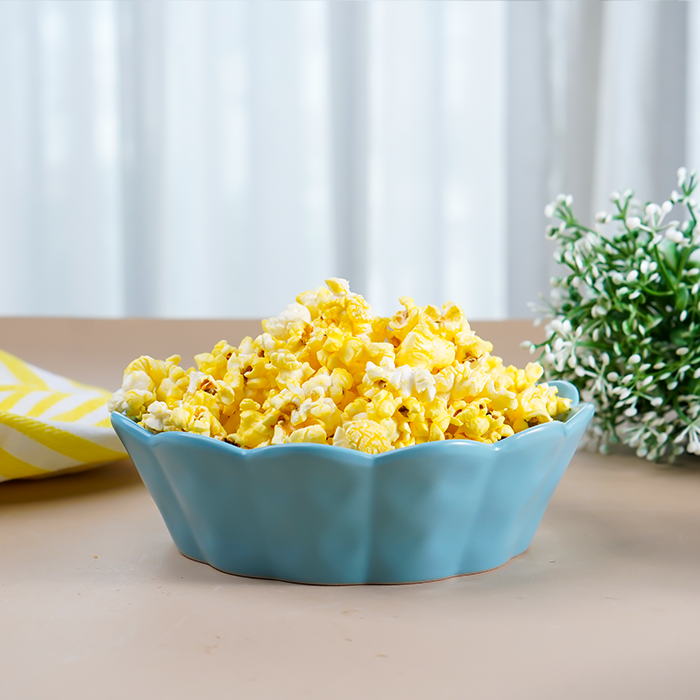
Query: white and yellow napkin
[50, 424]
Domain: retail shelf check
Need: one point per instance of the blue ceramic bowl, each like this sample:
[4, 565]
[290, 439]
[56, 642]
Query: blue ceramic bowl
[321, 514]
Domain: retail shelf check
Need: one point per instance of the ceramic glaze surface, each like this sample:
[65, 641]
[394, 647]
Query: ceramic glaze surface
[321, 514]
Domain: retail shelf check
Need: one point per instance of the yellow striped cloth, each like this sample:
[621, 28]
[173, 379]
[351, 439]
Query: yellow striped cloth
[50, 424]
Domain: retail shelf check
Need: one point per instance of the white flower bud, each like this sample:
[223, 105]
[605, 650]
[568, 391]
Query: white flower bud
[632, 276]
[682, 351]
[549, 211]
[569, 200]
[614, 196]
[613, 376]
[627, 193]
[666, 207]
[631, 411]
[601, 217]
[644, 267]
[682, 175]
[635, 359]
[633, 222]
[675, 235]
[656, 401]
[652, 210]
[675, 197]
[684, 315]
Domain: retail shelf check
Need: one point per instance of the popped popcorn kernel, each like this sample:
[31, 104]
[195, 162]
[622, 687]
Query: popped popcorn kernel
[196, 419]
[137, 393]
[328, 371]
[314, 433]
[157, 418]
[363, 435]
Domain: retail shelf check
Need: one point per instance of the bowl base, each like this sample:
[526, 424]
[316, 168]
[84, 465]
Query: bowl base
[367, 583]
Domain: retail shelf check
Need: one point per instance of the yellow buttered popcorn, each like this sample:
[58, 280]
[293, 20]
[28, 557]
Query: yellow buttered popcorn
[328, 371]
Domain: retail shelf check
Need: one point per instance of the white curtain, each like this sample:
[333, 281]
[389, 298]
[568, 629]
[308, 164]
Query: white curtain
[214, 159]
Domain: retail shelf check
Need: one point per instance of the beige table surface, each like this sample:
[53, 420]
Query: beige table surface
[96, 602]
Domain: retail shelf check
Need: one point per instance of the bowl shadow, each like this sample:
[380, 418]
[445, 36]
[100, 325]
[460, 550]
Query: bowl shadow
[107, 477]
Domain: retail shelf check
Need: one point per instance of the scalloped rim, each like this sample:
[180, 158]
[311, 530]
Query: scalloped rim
[579, 412]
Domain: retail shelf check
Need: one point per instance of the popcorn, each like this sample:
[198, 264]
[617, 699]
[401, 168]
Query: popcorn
[328, 371]
[314, 433]
[190, 418]
[364, 435]
[158, 418]
[137, 392]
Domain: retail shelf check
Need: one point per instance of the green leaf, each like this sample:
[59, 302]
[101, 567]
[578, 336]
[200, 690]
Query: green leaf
[682, 297]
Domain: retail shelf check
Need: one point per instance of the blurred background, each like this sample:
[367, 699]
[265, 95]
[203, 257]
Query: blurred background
[214, 159]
